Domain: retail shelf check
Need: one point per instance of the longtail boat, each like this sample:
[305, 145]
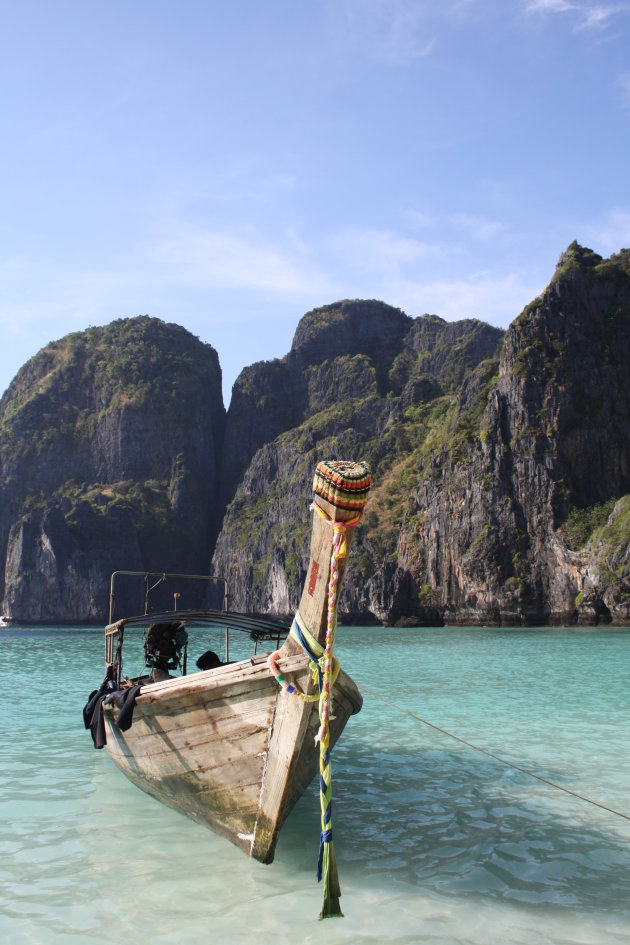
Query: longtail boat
[235, 746]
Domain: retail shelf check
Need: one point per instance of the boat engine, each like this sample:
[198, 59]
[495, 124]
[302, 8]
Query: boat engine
[163, 645]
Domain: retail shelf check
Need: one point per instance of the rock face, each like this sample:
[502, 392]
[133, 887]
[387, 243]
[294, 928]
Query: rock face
[487, 453]
[342, 350]
[109, 459]
[500, 461]
[361, 374]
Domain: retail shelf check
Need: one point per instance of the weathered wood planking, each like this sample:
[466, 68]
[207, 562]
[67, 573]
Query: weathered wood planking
[238, 767]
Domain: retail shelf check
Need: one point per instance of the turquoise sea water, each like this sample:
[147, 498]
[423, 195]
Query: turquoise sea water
[435, 842]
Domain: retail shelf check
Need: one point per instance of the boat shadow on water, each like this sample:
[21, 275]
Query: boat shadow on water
[457, 824]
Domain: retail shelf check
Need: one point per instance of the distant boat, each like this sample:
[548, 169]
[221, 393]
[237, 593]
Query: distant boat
[6, 622]
[233, 747]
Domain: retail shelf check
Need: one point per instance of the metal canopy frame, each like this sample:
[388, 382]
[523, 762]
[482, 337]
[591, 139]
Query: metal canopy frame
[258, 627]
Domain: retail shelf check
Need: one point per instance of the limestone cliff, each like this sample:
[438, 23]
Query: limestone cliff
[361, 373]
[488, 454]
[110, 446]
[501, 461]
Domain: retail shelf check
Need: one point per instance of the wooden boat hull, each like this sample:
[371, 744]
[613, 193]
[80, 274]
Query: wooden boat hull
[228, 747]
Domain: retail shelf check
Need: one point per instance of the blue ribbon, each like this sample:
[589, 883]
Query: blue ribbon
[309, 652]
[325, 837]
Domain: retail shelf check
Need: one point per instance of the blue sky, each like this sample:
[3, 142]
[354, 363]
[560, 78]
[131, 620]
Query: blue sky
[230, 165]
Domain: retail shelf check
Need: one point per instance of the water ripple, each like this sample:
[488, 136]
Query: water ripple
[435, 842]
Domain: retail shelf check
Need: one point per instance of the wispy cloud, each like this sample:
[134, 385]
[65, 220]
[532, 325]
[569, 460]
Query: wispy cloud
[376, 254]
[597, 16]
[494, 297]
[393, 32]
[586, 15]
[49, 298]
[386, 265]
[549, 6]
[477, 228]
[206, 258]
[611, 233]
[177, 260]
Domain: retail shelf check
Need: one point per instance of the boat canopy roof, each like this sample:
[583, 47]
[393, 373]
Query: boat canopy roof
[262, 626]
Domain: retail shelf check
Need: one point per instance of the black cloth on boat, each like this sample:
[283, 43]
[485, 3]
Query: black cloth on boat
[93, 709]
[93, 718]
[125, 699]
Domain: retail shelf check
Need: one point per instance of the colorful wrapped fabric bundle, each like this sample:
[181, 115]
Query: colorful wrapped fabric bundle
[344, 484]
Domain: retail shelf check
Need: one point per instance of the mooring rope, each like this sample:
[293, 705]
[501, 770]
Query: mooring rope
[325, 668]
[326, 862]
[498, 758]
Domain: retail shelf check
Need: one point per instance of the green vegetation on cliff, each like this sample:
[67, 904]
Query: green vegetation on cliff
[611, 545]
[582, 523]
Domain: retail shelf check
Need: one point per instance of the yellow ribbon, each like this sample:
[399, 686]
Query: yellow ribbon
[339, 528]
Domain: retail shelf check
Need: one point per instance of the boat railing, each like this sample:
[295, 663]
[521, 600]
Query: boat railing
[153, 580]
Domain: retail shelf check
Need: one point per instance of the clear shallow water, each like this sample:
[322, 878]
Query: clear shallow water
[435, 842]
